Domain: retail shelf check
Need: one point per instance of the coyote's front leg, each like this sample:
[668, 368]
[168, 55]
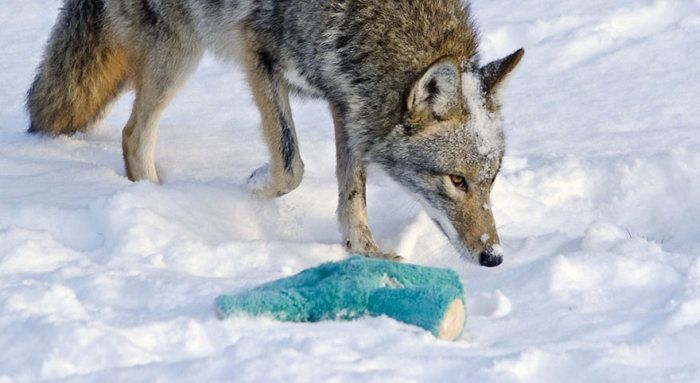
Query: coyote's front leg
[352, 197]
[286, 169]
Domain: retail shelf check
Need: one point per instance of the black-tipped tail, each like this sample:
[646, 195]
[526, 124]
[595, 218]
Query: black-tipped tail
[80, 73]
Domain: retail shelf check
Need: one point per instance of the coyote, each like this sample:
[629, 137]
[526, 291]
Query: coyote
[402, 78]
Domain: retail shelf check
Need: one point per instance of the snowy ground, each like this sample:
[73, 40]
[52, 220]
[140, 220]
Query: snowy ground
[598, 205]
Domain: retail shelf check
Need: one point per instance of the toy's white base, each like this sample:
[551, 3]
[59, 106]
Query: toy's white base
[453, 322]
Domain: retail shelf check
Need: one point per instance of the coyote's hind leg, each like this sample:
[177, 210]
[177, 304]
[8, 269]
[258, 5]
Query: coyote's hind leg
[286, 169]
[159, 79]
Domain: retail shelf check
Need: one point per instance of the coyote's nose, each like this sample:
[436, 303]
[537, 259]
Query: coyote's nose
[488, 259]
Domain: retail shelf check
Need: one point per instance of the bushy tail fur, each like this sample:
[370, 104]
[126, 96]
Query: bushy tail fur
[82, 70]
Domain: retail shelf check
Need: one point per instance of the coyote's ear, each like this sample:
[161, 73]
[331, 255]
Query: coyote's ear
[436, 94]
[494, 74]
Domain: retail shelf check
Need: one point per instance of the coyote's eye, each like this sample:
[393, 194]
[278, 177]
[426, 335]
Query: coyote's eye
[459, 182]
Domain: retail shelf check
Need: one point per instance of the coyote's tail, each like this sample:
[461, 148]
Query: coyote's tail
[82, 70]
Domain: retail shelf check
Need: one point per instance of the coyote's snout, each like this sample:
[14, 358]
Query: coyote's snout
[402, 78]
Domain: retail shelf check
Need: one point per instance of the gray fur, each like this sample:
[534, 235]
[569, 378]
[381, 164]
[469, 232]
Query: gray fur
[392, 72]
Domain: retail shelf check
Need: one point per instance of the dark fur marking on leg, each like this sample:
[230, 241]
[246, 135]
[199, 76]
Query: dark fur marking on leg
[288, 145]
[363, 177]
[267, 61]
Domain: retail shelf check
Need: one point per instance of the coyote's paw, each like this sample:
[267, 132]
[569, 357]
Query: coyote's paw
[260, 182]
[391, 256]
[360, 242]
[265, 183]
[139, 171]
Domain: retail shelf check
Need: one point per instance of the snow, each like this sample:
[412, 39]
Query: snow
[598, 205]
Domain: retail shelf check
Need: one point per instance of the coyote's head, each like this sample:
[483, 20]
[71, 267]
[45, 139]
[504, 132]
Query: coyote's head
[448, 151]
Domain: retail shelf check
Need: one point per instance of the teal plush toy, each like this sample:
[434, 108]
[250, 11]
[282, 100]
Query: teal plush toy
[422, 296]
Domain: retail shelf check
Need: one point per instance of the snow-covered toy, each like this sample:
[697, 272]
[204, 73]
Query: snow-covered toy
[427, 297]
